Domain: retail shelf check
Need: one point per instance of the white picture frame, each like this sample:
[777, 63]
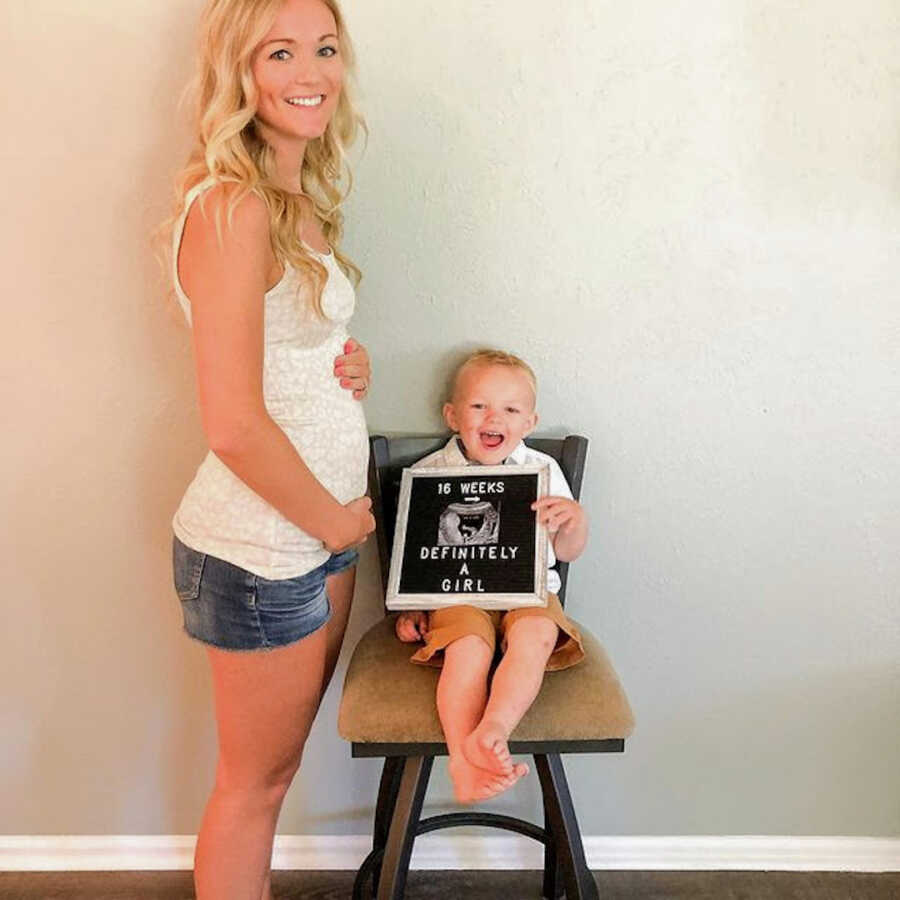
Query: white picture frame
[472, 530]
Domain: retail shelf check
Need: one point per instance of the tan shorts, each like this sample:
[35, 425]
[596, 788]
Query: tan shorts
[453, 622]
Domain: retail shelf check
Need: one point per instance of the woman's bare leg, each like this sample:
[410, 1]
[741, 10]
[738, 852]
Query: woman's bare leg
[340, 596]
[516, 683]
[265, 704]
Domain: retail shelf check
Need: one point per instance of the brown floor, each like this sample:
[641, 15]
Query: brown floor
[471, 885]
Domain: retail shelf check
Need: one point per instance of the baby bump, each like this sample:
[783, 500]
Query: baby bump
[322, 420]
[336, 448]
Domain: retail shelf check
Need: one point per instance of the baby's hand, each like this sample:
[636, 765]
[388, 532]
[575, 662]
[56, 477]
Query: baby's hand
[560, 514]
[410, 626]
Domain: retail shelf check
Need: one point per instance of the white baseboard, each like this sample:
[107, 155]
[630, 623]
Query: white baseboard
[324, 852]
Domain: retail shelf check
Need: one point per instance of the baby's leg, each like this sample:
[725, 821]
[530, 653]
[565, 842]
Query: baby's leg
[518, 678]
[461, 696]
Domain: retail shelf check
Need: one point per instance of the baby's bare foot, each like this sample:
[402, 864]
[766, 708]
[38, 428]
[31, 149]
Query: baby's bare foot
[472, 784]
[486, 747]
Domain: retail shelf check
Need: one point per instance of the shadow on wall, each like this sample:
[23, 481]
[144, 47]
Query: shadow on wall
[174, 444]
[107, 714]
[443, 224]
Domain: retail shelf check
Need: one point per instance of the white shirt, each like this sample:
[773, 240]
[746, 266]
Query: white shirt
[522, 455]
[221, 515]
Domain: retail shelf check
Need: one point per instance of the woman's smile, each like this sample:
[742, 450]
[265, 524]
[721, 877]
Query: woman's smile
[306, 101]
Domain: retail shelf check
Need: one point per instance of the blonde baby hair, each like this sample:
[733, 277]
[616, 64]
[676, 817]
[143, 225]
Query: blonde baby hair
[488, 356]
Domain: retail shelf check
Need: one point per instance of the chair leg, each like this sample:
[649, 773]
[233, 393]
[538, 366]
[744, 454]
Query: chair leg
[403, 824]
[553, 881]
[566, 836]
[384, 809]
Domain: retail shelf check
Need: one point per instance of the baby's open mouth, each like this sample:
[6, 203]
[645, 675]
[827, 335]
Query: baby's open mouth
[491, 439]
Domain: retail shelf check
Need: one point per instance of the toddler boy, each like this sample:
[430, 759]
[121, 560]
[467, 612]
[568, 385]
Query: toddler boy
[491, 409]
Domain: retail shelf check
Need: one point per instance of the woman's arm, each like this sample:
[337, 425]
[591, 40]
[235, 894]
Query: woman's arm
[226, 282]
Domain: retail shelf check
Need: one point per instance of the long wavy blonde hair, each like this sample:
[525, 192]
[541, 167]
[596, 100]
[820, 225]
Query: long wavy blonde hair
[229, 148]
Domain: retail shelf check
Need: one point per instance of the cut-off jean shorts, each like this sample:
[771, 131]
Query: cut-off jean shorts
[233, 609]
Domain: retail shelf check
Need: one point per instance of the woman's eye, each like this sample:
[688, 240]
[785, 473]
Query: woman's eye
[281, 55]
[327, 51]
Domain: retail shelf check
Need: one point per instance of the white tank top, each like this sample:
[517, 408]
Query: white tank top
[221, 515]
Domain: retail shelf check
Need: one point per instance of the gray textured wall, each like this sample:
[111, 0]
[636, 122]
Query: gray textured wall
[685, 215]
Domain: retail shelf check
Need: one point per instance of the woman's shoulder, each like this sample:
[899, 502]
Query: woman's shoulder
[228, 216]
[226, 236]
[229, 207]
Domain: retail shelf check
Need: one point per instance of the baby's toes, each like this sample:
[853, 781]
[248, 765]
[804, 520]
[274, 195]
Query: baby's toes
[501, 754]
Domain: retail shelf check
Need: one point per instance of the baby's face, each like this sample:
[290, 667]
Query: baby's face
[492, 410]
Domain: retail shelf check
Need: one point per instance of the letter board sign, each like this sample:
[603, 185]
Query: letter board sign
[469, 535]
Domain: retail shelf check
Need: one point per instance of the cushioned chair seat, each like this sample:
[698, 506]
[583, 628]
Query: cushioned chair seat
[388, 699]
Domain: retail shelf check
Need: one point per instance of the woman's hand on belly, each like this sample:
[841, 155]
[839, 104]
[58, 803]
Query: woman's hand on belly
[353, 527]
[353, 369]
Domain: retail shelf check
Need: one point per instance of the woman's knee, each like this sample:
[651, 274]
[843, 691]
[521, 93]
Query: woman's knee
[260, 785]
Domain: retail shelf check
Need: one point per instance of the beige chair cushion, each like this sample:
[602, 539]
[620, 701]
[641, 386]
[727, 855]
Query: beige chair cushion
[388, 699]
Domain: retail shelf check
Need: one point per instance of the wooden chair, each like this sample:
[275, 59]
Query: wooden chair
[388, 710]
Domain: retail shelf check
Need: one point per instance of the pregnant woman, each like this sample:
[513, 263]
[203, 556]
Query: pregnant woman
[264, 557]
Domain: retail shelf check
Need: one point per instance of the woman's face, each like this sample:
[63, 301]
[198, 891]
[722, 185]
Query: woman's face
[298, 70]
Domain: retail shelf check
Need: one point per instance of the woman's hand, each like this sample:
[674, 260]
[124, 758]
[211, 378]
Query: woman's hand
[411, 626]
[353, 527]
[353, 369]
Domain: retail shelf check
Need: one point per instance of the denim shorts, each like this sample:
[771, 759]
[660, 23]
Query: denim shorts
[233, 609]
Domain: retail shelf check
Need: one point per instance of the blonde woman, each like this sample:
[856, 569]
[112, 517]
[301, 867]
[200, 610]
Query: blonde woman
[264, 537]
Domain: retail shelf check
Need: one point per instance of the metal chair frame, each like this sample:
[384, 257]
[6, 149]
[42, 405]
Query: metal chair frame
[407, 767]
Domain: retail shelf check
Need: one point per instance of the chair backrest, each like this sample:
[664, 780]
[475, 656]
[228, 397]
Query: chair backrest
[390, 456]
